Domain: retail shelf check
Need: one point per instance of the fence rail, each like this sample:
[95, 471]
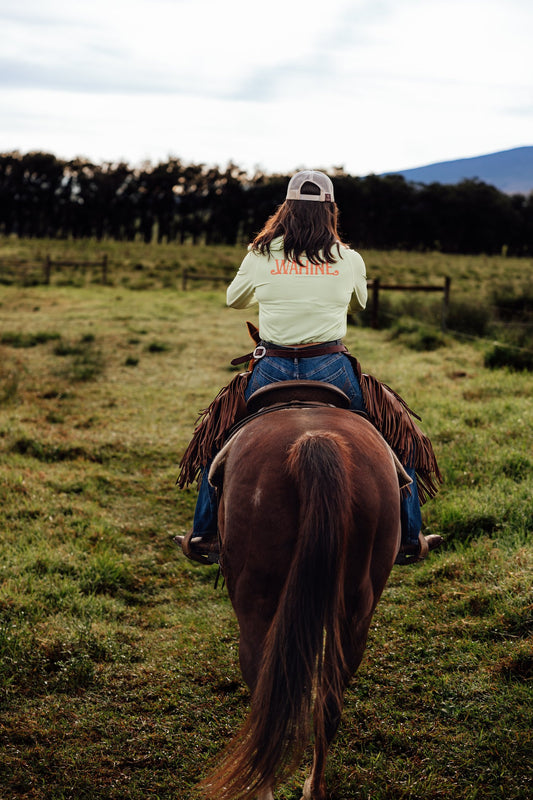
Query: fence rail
[189, 275]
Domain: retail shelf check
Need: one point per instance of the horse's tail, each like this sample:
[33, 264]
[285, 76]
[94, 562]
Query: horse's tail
[305, 633]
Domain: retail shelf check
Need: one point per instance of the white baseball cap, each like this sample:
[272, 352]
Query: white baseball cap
[320, 180]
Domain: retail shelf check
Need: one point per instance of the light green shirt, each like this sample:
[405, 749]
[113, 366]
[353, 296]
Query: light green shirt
[300, 304]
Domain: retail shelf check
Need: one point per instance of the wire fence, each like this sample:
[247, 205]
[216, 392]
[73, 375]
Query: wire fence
[459, 334]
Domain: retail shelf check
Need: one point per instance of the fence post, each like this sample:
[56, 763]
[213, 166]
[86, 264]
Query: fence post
[184, 279]
[47, 269]
[104, 269]
[375, 303]
[445, 302]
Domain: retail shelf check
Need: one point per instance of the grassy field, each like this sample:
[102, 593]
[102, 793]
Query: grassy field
[119, 677]
[139, 266]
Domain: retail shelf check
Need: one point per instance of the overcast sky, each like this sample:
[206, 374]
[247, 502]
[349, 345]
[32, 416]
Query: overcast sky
[370, 85]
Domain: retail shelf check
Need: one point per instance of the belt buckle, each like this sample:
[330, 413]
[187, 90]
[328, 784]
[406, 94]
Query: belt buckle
[259, 352]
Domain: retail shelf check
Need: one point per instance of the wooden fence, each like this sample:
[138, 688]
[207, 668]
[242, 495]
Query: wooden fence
[376, 287]
[50, 263]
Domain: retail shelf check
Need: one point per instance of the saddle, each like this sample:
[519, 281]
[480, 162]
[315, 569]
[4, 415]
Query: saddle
[292, 392]
[290, 395]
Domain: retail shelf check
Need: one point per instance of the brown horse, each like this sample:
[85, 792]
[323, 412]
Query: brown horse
[309, 520]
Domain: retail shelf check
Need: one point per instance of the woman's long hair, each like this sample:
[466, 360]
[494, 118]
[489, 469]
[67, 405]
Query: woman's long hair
[308, 227]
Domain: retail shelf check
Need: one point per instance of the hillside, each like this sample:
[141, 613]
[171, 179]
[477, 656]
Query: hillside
[511, 171]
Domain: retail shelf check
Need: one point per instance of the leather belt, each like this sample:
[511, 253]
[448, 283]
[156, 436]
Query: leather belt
[312, 351]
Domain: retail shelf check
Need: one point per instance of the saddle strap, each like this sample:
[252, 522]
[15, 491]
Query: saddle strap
[312, 351]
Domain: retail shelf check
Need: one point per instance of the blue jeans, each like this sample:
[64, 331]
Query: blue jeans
[333, 368]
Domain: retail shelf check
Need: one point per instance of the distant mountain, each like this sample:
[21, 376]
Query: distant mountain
[511, 171]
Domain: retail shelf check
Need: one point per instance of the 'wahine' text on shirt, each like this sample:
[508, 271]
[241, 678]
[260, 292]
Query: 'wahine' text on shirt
[286, 267]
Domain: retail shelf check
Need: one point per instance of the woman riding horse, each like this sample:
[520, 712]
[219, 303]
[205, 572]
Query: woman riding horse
[305, 280]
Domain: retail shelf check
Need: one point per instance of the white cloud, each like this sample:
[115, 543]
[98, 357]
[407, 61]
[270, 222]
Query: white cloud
[371, 85]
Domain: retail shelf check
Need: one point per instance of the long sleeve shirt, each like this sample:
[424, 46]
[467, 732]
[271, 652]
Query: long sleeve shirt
[299, 304]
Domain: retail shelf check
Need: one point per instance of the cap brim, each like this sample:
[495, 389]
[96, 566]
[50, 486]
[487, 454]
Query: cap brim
[294, 194]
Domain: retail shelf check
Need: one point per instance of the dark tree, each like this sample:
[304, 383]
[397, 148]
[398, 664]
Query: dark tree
[42, 196]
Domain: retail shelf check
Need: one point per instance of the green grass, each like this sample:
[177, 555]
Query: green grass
[119, 674]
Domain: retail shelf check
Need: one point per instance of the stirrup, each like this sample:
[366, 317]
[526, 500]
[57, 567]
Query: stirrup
[197, 549]
[411, 554]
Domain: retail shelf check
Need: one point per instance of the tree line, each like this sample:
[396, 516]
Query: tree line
[42, 196]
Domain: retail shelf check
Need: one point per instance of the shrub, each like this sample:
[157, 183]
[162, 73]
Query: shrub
[417, 336]
[513, 358]
[467, 317]
[511, 308]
